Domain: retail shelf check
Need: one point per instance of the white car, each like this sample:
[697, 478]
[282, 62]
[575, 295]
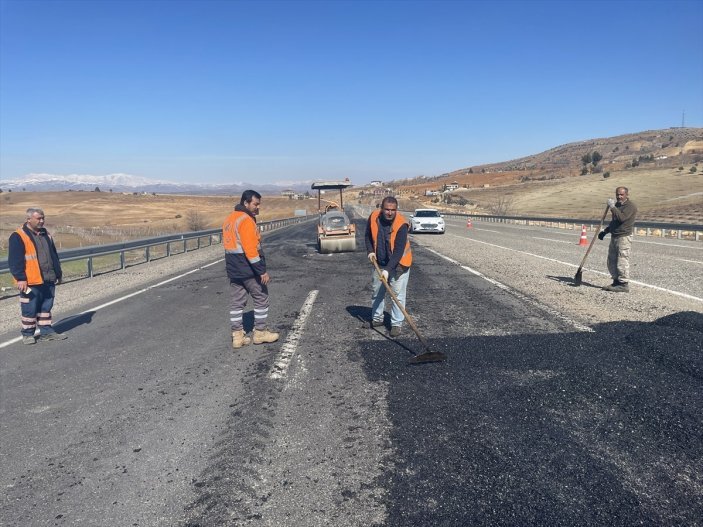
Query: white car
[427, 220]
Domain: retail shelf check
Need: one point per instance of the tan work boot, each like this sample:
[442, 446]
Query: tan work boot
[239, 339]
[262, 336]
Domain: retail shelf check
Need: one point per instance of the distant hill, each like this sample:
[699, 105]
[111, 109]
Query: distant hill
[662, 168]
[670, 147]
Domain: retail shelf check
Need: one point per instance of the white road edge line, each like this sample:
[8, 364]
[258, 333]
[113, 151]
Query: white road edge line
[656, 287]
[290, 346]
[117, 300]
[518, 294]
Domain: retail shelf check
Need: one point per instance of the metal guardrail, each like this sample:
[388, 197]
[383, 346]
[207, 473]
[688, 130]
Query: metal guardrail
[147, 244]
[664, 229]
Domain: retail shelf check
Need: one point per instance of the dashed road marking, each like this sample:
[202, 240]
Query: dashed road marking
[670, 245]
[551, 240]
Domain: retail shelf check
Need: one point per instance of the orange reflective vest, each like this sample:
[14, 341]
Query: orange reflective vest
[31, 262]
[240, 235]
[398, 222]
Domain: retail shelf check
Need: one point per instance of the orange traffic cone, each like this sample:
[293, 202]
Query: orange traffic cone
[468, 223]
[584, 238]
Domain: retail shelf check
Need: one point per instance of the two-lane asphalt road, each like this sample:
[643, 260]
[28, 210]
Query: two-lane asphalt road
[146, 416]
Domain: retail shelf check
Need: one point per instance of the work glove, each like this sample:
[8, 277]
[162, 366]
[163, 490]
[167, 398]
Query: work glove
[372, 257]
[384, 273]
[601, 235]
[611, 202]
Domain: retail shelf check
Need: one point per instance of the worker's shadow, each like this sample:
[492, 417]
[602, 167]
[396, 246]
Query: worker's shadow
[363, 315]
[571, 281]
[69, 323]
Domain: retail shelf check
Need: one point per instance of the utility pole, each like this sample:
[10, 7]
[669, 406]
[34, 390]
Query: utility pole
[683, 116]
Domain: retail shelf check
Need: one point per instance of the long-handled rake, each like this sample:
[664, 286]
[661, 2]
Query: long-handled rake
[579, 274]
[428, 355]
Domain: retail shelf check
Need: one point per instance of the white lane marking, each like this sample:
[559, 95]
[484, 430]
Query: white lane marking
[551, 240]
[519, 295]
[115, 301]
[570, 232]
[290, 346]
[669, 244]
[690, 261]
[670, 291]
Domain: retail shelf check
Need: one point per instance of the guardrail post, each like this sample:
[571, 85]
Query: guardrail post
[147, 253]
[168, 248]
[678, 234]
[198, 242]
[122, 260]
[185, 245]
[90, 267]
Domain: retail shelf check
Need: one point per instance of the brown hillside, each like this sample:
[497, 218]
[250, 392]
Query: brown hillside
[655, 165]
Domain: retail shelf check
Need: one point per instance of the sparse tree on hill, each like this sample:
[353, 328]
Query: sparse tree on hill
[195, 221]
[97, 189]
[501, 206]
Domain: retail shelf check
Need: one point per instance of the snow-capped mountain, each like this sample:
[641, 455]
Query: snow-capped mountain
[129, 183]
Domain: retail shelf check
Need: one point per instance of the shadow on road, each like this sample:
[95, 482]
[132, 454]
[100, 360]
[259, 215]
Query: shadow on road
[569, 280]
[69, 323]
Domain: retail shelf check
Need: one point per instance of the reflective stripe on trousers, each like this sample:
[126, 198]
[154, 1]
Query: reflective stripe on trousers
[239, 291]
[36, 306]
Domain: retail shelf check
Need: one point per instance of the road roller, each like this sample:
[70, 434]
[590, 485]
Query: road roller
[335, 232]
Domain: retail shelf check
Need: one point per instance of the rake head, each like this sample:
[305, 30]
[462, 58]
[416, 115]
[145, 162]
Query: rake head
[428, 356]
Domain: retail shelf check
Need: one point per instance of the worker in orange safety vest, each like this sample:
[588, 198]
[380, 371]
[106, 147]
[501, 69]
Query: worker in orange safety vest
[388, 244]
[246, 270]
[36, 269]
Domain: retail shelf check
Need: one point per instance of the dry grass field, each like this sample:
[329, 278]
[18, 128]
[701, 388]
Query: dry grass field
[78, 219]
[91, 218]
[662, 194]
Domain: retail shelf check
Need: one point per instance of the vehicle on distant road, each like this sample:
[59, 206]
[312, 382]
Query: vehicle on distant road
[426, 220]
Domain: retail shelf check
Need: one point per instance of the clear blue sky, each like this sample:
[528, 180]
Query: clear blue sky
[225, 91]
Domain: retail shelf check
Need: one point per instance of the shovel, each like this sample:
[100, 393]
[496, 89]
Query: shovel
[579, 273]
[428, 355]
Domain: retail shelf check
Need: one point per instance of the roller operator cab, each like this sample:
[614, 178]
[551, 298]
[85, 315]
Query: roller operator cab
[427, 220]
